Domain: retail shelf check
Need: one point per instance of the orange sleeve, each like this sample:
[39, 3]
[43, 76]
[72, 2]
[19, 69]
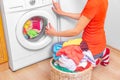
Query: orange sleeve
[90, 9]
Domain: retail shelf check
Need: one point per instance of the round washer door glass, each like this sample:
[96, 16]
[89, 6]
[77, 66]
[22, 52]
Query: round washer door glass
[34, 28]
[30, 30]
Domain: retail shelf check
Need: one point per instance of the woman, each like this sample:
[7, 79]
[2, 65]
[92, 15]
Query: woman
[91, 22]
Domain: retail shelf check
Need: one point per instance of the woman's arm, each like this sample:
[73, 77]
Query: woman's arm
[57, 9]
[75, 16]
[82, 23]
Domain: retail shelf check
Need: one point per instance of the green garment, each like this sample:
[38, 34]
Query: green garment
[32, 33]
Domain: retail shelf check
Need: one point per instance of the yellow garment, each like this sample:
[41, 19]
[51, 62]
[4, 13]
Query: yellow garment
[3, 49]
[27, 24]
[73, 42]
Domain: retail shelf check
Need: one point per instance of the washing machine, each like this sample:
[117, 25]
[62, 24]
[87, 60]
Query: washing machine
[24, 26]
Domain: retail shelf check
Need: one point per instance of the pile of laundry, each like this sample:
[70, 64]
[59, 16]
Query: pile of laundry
[72, 55]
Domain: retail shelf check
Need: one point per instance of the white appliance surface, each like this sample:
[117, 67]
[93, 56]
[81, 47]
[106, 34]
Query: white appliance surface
[21, 51]
[73, 6]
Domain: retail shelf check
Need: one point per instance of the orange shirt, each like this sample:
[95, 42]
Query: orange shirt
[94, 33]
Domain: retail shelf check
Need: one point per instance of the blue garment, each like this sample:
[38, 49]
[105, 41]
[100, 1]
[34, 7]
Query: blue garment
[55, 48]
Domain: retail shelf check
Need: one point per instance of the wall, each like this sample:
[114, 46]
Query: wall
[112, 25]
[74, 6]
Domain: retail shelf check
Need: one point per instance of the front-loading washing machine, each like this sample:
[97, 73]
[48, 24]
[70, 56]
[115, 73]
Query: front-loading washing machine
[24, 27]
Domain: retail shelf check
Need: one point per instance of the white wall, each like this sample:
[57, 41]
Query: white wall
[112, 25]
[74, 6]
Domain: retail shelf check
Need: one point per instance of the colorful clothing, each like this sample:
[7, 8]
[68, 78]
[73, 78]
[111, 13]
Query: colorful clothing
[105, 55]
[36, 23]
[61, 68]
[32, 33]
[64, 61]
[27, 24]
[83, 68]
[73, 52]
[84, 46]
[72, 42]
[55, 48]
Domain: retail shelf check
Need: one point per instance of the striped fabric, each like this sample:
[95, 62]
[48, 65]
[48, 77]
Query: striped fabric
[105, 57]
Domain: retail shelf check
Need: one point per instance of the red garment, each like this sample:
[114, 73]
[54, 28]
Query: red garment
[105, 57]
[36, 23]
[24, 31]
[73, 52]
[82, 69]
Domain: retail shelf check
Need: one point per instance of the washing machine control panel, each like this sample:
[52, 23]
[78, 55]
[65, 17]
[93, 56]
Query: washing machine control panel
[32, 2]
[37, 3]
[19, 5]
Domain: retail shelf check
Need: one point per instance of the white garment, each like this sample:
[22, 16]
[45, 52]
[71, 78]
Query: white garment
[89, 57]
[83, 63]
[64, 61]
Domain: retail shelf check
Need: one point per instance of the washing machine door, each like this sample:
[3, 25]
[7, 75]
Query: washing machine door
[30, 30]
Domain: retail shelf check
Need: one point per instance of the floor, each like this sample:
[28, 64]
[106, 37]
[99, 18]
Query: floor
[41, 70]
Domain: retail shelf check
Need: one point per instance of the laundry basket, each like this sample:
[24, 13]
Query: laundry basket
[56, 74]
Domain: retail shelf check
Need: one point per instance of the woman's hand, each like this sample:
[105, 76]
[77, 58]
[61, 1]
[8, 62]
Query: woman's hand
[50, 30]
[57, 8]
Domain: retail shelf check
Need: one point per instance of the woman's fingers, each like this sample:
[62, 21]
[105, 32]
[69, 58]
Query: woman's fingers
[54, 4]
[56, 8]
[50, 25]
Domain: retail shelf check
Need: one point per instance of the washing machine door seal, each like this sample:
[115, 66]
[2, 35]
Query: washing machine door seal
[43, 41]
